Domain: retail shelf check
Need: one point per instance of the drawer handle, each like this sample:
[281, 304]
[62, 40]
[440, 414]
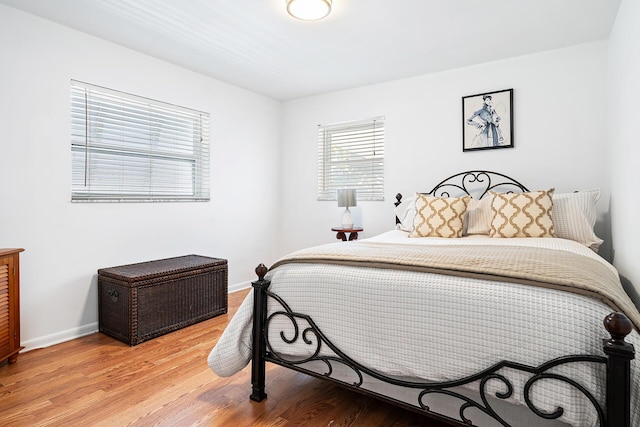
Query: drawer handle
[114, 295]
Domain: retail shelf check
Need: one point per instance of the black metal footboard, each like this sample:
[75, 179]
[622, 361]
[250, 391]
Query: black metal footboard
[616, 361]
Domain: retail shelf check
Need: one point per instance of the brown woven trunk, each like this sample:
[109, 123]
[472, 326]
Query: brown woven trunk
[138, 302]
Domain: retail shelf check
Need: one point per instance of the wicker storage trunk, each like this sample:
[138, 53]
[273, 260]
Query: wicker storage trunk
[141, 301]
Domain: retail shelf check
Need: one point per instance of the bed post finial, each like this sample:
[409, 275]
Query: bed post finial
[619, 326]
[619, 355]
[259, 346]
[261, 271]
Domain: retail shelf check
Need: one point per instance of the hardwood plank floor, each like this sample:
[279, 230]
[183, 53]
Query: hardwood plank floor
[99, 381]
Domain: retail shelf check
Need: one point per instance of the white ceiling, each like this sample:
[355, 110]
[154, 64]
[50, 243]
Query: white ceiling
[256, 45]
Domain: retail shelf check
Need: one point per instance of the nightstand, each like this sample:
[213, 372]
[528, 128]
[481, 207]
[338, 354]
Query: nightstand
[342, 233]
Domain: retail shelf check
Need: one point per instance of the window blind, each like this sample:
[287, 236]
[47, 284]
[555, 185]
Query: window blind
[129, 148]
[351, 155]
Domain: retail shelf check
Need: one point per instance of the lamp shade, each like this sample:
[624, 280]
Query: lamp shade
[309, 10]
[347, 198]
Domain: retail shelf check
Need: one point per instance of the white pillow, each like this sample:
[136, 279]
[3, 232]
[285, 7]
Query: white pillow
[405, 212]
[574, 216]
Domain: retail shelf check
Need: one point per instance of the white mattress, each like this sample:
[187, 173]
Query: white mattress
[438, 327]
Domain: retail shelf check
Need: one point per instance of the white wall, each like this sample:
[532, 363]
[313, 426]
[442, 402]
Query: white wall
[66, 243]
[624, 140]
[559, 142]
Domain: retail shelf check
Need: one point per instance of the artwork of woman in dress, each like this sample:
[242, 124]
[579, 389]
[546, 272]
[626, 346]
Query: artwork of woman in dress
[488, 126]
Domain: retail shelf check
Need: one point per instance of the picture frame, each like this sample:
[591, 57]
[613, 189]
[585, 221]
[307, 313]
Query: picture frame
[487, 120]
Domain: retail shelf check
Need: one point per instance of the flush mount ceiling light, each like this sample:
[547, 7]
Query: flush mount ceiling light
[309, 10]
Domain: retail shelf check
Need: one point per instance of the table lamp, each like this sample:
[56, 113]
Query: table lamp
[347, 198]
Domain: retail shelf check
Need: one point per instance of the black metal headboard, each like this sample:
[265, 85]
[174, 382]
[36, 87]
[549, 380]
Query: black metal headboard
[473, 183]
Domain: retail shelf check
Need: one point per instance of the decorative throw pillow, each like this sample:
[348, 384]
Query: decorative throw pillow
[438, 216]
[478, 216]
[574, 216]
[522, 214]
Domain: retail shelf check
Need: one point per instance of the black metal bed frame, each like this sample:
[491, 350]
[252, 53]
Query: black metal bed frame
[617, 358]
[466, 182]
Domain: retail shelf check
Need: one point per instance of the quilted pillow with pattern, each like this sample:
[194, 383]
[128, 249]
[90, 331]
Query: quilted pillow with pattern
[522, 214]
[438, 216]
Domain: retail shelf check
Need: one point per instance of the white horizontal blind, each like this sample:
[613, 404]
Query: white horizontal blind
[128, 148]
[351, 155]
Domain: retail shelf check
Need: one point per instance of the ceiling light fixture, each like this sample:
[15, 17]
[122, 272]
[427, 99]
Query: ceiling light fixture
[309, 10]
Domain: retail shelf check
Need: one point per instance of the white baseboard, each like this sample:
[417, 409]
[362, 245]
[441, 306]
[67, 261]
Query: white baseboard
[239, 286]
[91, 328]
[59, 337]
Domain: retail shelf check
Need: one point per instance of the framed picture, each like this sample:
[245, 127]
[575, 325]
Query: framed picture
[487, 120]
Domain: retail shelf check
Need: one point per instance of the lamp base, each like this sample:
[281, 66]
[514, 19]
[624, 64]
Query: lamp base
[347, 221]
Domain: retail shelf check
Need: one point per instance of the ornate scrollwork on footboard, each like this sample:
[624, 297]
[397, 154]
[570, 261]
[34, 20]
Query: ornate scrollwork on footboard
[304, 330]
[309, 329]
[493, 373]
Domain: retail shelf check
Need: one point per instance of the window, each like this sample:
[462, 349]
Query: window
[130, 149]
[351, 155]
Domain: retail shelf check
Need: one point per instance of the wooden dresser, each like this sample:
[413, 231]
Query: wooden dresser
[10, 304]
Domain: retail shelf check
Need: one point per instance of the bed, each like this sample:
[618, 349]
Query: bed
[467, 311]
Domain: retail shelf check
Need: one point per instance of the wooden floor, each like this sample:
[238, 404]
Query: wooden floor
[99, 381]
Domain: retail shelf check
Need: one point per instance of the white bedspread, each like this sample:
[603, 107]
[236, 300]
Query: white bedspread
[438, 327]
